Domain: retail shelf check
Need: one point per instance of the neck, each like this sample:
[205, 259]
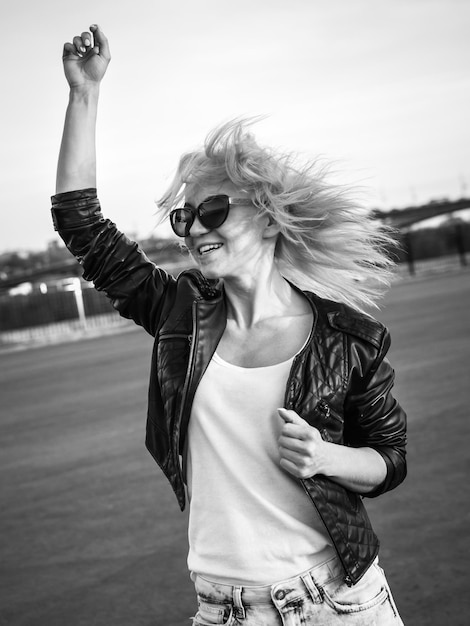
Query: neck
[252, 299]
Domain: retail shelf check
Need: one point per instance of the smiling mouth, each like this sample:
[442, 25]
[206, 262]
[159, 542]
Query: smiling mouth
[208, 248]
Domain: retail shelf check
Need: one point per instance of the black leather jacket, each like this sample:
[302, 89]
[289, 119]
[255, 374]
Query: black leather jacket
[340, 382]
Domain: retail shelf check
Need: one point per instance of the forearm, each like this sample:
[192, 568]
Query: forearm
[304, 453]
[358, 469]
[77, 157]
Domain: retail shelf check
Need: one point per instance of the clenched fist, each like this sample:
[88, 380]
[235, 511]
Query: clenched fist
[302, 450]
[86, 58]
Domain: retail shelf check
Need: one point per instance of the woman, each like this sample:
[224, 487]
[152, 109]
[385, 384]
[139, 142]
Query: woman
[270, 399]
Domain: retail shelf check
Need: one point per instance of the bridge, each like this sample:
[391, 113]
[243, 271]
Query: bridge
[404, 218]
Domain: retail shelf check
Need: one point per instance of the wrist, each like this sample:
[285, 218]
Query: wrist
[85, 93]
[328, 458]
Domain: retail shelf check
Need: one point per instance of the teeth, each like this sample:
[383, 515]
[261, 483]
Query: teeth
[209, 247]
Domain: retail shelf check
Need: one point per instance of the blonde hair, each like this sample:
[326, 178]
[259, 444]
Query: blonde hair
[327, 242]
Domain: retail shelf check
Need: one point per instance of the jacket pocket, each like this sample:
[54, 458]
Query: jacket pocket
[328, 421]
[326, 412]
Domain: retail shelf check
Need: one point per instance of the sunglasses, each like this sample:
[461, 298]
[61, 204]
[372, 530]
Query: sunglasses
[212, 213]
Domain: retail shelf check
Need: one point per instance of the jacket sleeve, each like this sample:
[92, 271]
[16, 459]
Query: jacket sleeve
[137, 288]
[373, 417]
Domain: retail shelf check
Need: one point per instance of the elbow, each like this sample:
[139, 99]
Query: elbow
[395, 461]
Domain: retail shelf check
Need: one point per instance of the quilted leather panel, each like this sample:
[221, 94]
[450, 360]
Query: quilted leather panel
[347, 522]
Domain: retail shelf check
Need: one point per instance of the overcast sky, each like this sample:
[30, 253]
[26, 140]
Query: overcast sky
[380, 87]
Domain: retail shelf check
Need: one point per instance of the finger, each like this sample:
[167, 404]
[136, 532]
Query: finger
[296, 464]
[79, 46]
[69, 50]
[290, 417]
[295, 431]
[290, 467]
[291, 443]
[294, 457]
[101, 41]
[286, 415]
[87, 40]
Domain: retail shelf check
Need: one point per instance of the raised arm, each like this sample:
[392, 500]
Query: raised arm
[85, 62]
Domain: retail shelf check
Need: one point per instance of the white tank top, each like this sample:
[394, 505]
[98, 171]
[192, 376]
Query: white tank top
[250, 522]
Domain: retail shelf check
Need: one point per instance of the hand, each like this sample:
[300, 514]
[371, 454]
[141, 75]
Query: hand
[302, 450]
[86, 59]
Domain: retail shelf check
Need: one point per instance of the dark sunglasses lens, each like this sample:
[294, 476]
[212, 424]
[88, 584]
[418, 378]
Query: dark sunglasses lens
[213, 212]
[181, 221]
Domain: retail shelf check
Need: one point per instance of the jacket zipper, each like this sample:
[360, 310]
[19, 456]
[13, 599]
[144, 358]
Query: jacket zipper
[189, 376]
[287, 404]
[165, 336]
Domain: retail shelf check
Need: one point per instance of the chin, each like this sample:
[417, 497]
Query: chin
[209, 274]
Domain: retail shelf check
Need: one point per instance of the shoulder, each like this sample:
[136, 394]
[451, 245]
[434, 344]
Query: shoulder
[345, 319]
[197, 285]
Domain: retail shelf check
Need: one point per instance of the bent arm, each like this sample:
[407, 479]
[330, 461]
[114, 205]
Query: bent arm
[115, 265]
[304, 453]
[374, 419]
[371, 458]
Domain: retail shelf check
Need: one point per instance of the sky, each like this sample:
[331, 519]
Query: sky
[381, 88]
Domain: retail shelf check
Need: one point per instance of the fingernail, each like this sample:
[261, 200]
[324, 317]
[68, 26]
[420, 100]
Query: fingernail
[87, 42]
[82, 49]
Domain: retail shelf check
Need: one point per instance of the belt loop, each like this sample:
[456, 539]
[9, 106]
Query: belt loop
[313, 590]
[238, 604]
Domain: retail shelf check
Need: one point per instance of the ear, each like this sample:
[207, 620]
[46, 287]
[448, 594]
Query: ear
[271, 228]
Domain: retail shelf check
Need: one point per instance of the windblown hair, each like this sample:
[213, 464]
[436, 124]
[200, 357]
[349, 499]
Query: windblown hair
[327, 242]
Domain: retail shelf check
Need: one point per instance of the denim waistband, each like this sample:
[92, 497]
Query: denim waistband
[319, 575]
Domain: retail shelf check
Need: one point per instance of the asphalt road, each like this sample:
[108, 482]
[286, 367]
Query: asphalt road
[90, 532]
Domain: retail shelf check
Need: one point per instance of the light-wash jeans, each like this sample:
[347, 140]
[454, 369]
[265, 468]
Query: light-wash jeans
[319, 597]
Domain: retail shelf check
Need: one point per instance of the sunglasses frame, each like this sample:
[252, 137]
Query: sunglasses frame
[196, 211]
